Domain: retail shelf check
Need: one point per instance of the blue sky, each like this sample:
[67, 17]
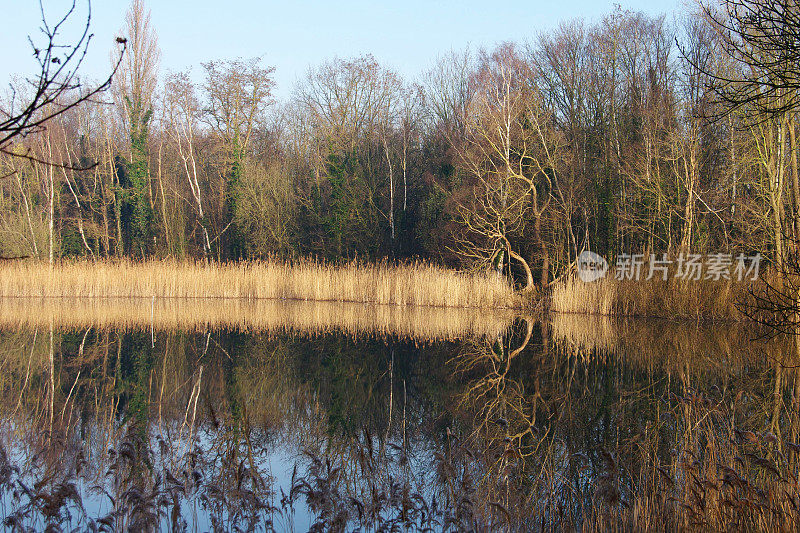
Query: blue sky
[291, 36]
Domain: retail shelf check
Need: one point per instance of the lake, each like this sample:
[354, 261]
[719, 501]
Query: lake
[270, 415]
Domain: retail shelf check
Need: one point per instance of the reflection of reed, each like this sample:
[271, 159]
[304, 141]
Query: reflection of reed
[423, 323]
[590, 332]
[669, 344]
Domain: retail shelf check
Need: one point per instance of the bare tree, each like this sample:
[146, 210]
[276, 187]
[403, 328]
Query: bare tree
[412, 106]
[237, 94]
[764, 37]
[57, 87]
[388, 125]
[448, 91]
[135, 84]
[183, 112]
[514, 156]
[348, 106]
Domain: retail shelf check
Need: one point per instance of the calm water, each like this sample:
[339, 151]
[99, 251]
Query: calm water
[335, 424]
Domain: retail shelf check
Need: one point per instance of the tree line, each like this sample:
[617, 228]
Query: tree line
[633, 134]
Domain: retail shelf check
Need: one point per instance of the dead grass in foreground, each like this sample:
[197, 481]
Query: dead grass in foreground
[413, 284]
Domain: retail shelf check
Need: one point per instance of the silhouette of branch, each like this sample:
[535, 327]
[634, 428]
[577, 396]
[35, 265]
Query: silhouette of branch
[56, 88]
[763, 38]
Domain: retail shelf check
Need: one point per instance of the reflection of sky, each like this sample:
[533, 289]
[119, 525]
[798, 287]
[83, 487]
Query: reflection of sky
[19, 454]
[280, 465]
[406, 36]
[276, 465]
[282, 455]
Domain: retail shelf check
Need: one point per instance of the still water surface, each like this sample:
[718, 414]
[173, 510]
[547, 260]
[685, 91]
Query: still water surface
[298, 416]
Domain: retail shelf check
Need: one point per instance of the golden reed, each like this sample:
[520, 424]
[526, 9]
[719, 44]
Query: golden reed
[695, 300]
[413, 284]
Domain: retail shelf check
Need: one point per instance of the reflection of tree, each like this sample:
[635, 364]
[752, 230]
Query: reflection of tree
[528, 431]
[513, 456]
[495, 395]
[134, 379]
[522, 453]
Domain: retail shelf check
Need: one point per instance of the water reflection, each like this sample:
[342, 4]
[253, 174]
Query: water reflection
[570, 423]
[271, 316]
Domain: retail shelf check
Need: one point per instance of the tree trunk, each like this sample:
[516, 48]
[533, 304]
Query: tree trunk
[528, 274]
[51, 211]
[545, 257]
[391, 190]
[795, 182]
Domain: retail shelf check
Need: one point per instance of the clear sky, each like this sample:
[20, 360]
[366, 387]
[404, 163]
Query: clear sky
[291, 36]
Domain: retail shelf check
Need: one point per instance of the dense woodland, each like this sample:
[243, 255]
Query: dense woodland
[624, 135]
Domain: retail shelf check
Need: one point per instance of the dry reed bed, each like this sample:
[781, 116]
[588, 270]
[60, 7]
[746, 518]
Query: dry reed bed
[409, 284]
[305, 318]
[696, 300]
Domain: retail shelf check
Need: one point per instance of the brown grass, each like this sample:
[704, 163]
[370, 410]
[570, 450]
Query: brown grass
[269, 316]
[696, 300]
[417, 284]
